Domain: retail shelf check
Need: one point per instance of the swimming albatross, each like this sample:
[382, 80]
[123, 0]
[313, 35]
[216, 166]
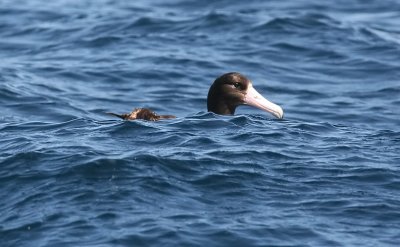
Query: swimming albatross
[226, 93]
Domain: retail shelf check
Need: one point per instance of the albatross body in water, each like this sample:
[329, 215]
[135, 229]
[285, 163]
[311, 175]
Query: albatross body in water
[226, 93]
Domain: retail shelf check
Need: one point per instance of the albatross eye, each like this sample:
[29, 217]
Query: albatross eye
[237, 85]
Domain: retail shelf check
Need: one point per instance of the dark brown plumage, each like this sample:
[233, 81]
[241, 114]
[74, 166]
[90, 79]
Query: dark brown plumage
[226, 93]
[142, 113]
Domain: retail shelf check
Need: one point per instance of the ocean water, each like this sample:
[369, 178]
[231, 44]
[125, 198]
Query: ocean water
[328, 174]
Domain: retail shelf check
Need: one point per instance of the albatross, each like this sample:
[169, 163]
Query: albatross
[226, 93]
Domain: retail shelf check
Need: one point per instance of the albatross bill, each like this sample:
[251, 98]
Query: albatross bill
[254, 98]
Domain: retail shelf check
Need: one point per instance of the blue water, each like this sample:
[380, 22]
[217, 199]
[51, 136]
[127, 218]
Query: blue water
[326, 175]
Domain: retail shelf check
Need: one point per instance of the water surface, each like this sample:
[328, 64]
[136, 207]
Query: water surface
[326, 175]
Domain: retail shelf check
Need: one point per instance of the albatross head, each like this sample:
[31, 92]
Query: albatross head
[233, 89]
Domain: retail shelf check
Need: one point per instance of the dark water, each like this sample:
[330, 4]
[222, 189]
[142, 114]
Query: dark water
[326, 175]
